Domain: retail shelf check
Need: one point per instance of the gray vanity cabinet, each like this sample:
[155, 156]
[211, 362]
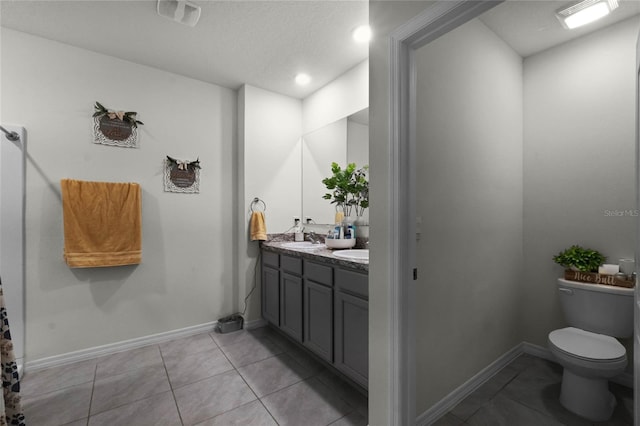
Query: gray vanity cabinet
[271, 287]
[351, 333]
[318, 309]
[322, 306]
[291, 296]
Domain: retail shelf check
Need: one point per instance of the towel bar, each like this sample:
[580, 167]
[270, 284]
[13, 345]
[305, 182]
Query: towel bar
[257, 201]
[12, 136]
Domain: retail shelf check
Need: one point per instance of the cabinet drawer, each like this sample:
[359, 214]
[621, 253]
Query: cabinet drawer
[291, 264]
[318, 273]
[352, 282]
[271, 259]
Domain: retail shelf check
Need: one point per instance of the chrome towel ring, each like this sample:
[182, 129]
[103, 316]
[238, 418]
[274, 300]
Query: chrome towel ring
[256, 204]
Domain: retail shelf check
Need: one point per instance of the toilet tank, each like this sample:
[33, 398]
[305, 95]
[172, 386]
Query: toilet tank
[597, 308]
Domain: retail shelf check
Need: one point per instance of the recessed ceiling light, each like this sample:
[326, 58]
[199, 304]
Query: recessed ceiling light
[585, 12]
[362, 34]
[303, 79]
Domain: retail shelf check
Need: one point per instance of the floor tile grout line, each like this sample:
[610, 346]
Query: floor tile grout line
[200, 379]
[286, 387]
[25, 395]
[493, 395]
[269, 411]
[249, 386]
[328, 386]
[547, 415]
[133, 400]
[93, 387]
[175, 401]
[488, 400]
[245, 382]
[281, 352]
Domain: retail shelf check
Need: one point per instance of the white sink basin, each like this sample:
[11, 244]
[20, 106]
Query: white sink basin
[302, 245]
[352, 254]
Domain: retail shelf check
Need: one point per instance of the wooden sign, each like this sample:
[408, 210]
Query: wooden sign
[594, 278]
[181, 176]
[116, 128]
[114, 132]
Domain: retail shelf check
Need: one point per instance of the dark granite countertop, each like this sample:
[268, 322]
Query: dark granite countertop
[321, 254]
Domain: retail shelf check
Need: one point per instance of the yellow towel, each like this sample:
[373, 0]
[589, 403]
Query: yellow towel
[258, 227]
[102, 223]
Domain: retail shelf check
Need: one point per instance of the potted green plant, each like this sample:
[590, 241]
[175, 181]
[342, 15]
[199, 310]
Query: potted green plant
[349, 188]
[580, 259]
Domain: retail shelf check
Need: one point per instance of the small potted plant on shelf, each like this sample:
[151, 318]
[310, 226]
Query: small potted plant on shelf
[583, 266]
[580, 259]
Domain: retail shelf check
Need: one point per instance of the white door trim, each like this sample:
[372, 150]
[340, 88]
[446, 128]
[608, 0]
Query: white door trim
[636, 336]
[433, 22]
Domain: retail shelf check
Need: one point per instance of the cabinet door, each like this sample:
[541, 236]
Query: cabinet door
[352, 337]
[318, 314]
[291, 305]
[271, 295]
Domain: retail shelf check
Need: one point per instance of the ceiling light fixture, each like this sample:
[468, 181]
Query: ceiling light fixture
[362, 34]
[303, 79]
[181, 11]
[585, 12]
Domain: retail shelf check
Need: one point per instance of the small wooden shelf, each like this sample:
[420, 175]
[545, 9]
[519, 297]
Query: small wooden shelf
[595, 278]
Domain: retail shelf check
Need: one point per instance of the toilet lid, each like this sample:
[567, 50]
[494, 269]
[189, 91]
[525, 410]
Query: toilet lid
[586, 344]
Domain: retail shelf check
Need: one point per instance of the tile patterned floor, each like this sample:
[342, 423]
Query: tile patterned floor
[248, 378]
[258, 377]
[526, 393]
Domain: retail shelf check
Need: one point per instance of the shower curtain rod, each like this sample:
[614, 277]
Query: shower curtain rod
[12, 136]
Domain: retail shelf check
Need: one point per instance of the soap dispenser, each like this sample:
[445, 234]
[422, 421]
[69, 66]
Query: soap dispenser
[298, 231]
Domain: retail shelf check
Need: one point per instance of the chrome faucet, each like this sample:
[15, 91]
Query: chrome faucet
[313, 237]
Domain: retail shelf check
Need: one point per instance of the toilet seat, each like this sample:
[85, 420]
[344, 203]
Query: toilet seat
[586, 345]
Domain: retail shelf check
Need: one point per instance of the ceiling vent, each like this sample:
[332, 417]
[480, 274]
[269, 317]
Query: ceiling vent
[181, 11]
[585, 12]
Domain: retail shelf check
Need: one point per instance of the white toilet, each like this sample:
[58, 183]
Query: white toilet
[587, 349]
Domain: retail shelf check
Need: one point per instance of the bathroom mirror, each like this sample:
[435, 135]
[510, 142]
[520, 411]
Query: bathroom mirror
[343, 141]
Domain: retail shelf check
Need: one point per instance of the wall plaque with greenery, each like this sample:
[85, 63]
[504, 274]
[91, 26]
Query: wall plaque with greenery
[116, 128]
[181, 176]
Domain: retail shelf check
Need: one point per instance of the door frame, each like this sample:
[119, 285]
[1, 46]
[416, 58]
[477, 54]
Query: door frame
[433, 22]
[636, 320]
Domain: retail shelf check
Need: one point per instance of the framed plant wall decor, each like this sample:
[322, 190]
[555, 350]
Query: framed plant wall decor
[181, 176]
[116, 128]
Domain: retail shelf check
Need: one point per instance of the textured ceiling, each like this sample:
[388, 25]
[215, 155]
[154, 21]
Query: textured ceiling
[262, 43]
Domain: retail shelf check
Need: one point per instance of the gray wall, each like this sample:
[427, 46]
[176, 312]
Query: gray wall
[579, 150]
[576, 161]
[186, 275]
[469, 180]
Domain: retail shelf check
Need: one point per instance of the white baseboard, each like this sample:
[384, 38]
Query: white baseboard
[537, 350]
[443, 406]
[250, 325]
[111, 348]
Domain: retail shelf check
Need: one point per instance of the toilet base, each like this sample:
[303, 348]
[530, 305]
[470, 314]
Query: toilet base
[587, 397]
